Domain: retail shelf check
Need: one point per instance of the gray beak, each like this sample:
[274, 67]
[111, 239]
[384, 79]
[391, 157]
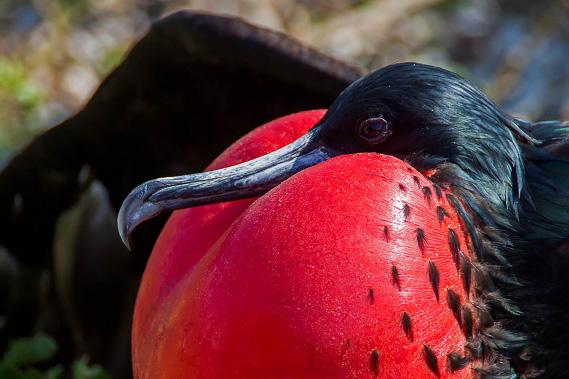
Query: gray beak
[247, 179]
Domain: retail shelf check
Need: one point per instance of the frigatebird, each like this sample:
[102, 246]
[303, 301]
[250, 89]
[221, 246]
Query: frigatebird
[505, 177]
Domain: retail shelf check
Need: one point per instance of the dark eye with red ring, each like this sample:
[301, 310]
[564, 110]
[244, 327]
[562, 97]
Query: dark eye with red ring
[374, 130]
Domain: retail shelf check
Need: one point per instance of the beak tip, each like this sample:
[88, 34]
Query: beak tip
[134, 210]
[124, 225]
[124, 232]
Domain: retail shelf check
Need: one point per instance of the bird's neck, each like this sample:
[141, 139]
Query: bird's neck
[490, 210]
[490, 188]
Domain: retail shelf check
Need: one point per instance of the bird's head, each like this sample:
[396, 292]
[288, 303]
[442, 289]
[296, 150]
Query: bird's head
[408, 110]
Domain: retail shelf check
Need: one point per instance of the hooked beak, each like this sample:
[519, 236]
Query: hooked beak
[248, 179]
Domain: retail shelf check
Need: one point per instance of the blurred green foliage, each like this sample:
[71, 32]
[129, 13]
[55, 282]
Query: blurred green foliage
[20, 97]
[52, 56]
[82, 370]
[75, 7]
[24, 353]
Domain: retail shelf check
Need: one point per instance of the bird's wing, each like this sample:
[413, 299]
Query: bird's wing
[547, 257]
[548, 177]
[191, 86]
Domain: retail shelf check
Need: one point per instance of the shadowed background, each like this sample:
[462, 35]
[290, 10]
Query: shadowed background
[66, 274]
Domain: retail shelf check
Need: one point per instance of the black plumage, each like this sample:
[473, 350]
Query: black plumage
[407, 325]
[457, 362]
[431, 360]
[505, 178]
[434, 278]
[510, 185]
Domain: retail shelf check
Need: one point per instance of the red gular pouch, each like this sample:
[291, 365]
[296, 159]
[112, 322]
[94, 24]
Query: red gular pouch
[357, 267]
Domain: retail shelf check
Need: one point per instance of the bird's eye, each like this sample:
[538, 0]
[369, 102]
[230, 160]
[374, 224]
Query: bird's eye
[374, 130]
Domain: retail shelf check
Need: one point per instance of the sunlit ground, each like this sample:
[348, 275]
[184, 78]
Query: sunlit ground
[53, 54]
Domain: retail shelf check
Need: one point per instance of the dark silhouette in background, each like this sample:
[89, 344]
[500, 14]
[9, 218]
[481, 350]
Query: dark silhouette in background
[188, 89]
